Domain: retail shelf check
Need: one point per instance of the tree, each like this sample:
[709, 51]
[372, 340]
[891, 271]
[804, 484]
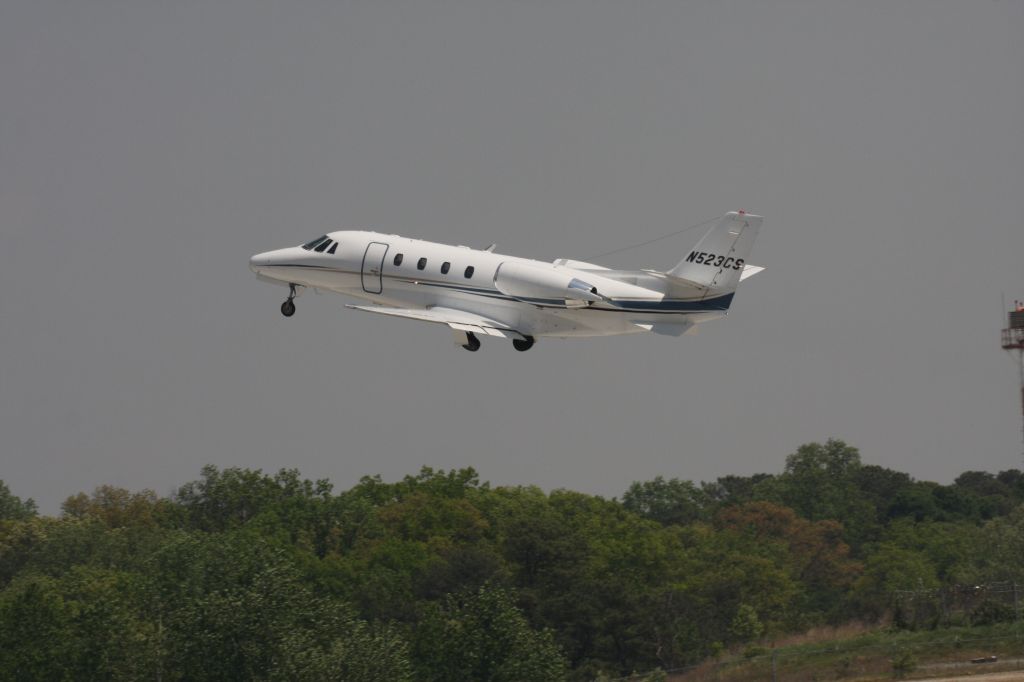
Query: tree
[1013, 479]
[888, 569]
[667, 502]
[814, 552]
[995, 495]
[231, 606]
[481, 636]
[12, 507]
[34, 623]
[83, 625]
[745, 625]
[952, 549]
[221, 500]
[734, 489]
[819, 483]
[880, 486]
[726, 570]
[115, 507]
[1003, 540]
[818, 480]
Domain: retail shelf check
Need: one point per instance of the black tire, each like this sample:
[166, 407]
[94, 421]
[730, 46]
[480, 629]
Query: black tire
[472, 344]
[288, 308]
[523, 345]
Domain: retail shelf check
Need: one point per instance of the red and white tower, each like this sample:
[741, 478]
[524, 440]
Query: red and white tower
[1013, 340]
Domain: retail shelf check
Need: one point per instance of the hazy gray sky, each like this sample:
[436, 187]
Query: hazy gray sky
[148, 148]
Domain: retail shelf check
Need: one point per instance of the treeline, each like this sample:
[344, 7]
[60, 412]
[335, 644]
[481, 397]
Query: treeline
[440, 576]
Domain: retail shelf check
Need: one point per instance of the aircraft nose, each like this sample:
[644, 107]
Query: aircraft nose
[260, 260]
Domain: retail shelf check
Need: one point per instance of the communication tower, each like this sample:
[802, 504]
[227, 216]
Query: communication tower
[1013, 340]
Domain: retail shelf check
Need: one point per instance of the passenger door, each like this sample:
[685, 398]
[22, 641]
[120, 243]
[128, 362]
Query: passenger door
[373, 267]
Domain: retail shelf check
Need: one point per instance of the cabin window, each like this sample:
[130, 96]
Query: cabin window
[445, 267]
[422, 263]
[469, 272]
[334, 247]
[308, 246]
[323, 246]
[398, 259]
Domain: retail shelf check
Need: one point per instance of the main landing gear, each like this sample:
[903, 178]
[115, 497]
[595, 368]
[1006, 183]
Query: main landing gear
[523, 344]
[472, 343]
[288, 307]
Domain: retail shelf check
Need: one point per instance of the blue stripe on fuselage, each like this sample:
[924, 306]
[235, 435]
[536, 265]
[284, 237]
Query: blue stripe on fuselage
[677, 306]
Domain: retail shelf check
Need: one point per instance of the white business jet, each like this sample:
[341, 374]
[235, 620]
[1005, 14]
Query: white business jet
[481, 293]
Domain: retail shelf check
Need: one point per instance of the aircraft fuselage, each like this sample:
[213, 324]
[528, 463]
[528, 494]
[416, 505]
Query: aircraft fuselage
[476, 291]
[367, 266]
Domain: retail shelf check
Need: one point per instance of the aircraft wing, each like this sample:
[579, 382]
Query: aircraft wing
[459, 320]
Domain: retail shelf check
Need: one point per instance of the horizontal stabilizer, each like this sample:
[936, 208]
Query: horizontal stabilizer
[750, 271]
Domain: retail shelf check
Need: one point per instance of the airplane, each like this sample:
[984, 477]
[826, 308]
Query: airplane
[479, 293]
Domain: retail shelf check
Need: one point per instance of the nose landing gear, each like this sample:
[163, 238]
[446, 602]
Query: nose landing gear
[523, 344]
[472, 343]
[288, 307]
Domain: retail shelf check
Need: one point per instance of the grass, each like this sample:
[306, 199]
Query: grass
[857, 652]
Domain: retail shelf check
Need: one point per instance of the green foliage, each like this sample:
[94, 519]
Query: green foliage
[242, 574]
[843, 666]
[903, 663]
[81, 626]
[481, 635]
[745, 624]
[667, 502]
[13, 507]
[728, 490]
[951, 548]
[821, 483]
[1003, 540]
[889, 569]
[117, 507]
[221, 500]
[991, 611]
[813, 554]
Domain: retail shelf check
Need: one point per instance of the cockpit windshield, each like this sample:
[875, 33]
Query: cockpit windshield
[321, 245]
[309, 246]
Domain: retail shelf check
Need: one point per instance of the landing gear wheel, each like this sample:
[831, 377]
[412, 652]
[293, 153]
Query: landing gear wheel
[472, 343]
[523, 344]
[288, 307]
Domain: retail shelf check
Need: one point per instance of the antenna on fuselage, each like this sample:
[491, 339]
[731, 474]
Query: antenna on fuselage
[651, 241]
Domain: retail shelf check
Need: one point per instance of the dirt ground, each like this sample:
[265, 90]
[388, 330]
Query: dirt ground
[1012, 676]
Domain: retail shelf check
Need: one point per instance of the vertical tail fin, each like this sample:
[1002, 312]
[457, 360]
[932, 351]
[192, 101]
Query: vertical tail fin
[716, 262]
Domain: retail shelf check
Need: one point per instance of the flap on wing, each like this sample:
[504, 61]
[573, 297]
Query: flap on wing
[669, 329]
[456, 319]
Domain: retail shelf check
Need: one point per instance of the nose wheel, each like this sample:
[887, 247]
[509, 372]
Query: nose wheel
[523, 344]
[472, 343]
[288, 307]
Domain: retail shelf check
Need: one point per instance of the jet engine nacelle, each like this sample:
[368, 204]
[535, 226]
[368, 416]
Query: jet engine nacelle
[534, 284]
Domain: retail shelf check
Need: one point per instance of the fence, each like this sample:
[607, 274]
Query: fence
[957, 605]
